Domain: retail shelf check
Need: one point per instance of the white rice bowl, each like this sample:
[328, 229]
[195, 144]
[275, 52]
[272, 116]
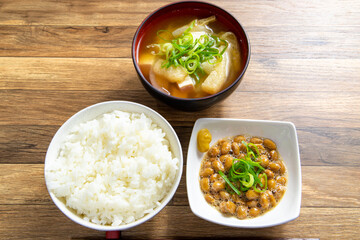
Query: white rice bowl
[113, 170]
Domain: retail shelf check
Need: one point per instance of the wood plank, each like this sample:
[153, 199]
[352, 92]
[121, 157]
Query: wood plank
[304, 109]
[40, 222]
[131, 13]
[335, 42]
[115, 41]
[108, 74]
[24, 184]
[318, 188]
[270, 74]
[27, 144]
[321, 146]
[312, 223]
[46, 222]
[66, 41]
[68, 74]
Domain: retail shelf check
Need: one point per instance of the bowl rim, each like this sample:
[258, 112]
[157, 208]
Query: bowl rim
[199, 123]
[143, 79]
[69, 122]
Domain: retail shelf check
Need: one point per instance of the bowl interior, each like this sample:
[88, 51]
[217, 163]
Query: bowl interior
[93, 112]
[189, 10]
[283, 133]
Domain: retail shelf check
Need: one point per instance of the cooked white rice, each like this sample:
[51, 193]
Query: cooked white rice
[114, 169]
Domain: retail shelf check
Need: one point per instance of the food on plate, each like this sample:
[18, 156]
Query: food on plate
[203, 140]
[114, 169]
[190, 58]
[243, 176]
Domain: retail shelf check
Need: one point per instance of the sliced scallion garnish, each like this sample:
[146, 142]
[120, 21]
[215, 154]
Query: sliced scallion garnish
[245, 172]
[188, 52]
[229, 183]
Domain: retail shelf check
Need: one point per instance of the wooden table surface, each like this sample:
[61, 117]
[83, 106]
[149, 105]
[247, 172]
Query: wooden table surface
[58, 57]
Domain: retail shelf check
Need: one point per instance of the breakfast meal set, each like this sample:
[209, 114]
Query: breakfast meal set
[115, 165]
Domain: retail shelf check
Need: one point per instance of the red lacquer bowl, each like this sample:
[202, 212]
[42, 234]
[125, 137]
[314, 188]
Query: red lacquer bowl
[200, 10]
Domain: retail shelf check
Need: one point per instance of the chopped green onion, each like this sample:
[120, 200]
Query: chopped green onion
[188, 52]
[250, 183]
[229, 183]
[264, 189]
[197, 78]
[192, 24]
[226, 45]
[245, 172]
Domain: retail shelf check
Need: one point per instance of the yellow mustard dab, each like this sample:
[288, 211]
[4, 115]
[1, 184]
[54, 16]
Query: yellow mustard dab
[203, 140]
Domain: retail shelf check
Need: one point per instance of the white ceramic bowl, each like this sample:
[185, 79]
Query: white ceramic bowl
[283, 133]
[91, 113]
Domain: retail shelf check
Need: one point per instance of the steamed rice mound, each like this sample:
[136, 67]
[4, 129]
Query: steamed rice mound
[114, 169]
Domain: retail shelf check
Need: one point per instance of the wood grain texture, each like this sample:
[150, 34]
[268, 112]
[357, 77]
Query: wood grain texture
[131, 13]
[265, 75]
[27, 144]
[68, 74]
[310, 109]
[58, 57]
[115, 41]
[47, 222]
[65, 41]
[317, 192]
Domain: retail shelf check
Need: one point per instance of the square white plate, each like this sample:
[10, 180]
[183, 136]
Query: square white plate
[284, 135]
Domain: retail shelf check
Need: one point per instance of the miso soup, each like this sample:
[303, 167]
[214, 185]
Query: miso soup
[190, 57]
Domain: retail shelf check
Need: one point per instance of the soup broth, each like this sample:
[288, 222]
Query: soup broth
[192, 88]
